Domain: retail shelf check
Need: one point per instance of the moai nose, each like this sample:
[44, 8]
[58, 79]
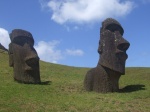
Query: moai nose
[123, 44]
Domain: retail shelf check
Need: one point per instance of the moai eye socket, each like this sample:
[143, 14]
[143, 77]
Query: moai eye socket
[115, 27]
[18, 41]
[22, 40]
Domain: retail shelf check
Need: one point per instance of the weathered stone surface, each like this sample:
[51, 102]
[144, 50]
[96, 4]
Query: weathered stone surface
[23, 57]
[111, 65]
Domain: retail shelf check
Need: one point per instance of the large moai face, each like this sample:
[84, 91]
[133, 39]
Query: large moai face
[23, 57]
[112, 46]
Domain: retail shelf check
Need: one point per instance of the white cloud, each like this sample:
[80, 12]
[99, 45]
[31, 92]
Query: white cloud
[4, 37]
[76, 52]
[85, 11]
[47, 51]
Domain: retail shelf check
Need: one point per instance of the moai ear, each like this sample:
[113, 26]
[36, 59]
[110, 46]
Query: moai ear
[100, 48]
[10, 52]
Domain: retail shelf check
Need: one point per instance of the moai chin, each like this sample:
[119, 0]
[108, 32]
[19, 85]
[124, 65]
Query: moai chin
[111, 65]
[23, 57]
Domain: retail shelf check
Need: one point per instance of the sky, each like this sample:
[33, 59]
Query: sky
[68, 31]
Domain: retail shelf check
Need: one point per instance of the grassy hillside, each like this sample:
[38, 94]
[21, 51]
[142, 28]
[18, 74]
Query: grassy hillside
[62, 91]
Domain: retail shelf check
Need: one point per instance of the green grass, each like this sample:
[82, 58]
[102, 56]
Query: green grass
[65, 92]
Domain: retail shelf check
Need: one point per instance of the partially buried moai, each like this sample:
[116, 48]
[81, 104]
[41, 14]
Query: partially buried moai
[23, 57]
[111, 65]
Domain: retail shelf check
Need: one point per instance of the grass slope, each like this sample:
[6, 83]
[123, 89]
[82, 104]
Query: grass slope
[65, 92]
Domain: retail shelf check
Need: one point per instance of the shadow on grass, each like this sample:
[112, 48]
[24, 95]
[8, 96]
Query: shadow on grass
[39, 83]
[46, 83]
[132, 88]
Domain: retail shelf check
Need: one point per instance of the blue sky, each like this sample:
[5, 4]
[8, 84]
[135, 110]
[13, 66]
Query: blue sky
[67, 31]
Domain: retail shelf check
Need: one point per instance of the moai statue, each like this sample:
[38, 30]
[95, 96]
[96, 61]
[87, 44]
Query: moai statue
[111, 65]
[23, 57]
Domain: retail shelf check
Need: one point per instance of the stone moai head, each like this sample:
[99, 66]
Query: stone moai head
[23, 57]
[112, 46]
